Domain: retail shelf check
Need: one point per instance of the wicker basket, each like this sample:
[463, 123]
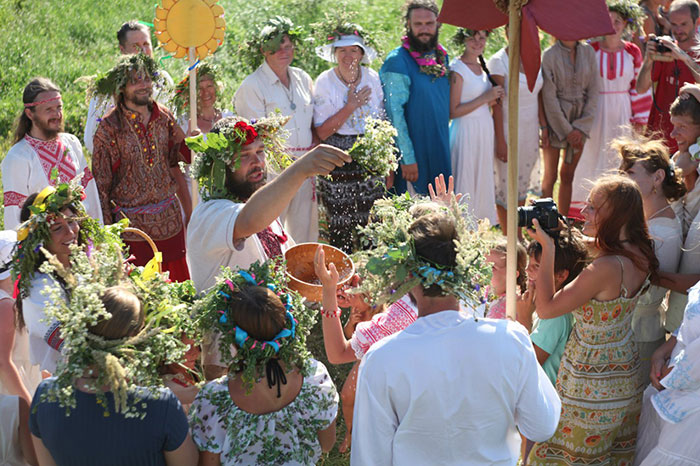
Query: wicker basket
[300, 268]
[150, 242]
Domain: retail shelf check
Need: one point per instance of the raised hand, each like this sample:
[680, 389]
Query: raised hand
[329, 276]
[443, 193]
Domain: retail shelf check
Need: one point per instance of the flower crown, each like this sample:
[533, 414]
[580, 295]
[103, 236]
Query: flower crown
[289, 345]
[629, 11]
[219, 150]
[463, 34]
[392, 267]
[120, 365]
[113, 81]
[335, 26]
[34, 233]
[181, 98]
[268, 38]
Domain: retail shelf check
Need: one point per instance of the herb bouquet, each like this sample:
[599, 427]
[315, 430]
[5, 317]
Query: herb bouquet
[375, 151]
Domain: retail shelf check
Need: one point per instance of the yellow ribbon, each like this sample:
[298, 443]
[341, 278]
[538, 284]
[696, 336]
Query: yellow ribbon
[41, 197]
[153, 266]
[23, 231]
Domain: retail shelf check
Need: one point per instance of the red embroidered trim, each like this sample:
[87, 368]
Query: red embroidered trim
[13, 198]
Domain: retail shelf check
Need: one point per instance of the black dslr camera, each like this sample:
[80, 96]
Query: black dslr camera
[545, 211]
[660, 48]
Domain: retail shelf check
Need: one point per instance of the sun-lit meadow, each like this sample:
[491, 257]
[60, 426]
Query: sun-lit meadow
[68, 39]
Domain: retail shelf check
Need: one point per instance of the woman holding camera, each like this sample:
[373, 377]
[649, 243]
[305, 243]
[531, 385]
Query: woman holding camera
[598, 379]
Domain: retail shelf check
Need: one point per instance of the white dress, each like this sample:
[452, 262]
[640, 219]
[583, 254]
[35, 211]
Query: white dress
[650, 312]
[10, 452]
[28, 372]
[529, 177]
[472, 147]
[45, 342]
[618, 107]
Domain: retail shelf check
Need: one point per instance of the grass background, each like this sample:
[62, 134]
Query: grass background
[73, 38]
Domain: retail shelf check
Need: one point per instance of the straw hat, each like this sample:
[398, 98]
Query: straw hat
[327, 52]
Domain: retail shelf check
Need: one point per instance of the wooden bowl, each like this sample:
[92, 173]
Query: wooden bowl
[300, 268]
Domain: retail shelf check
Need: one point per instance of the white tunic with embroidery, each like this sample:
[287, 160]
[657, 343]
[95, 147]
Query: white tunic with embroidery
[619, 106]
[27, 168]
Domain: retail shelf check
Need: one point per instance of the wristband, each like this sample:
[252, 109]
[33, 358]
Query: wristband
[330, 314]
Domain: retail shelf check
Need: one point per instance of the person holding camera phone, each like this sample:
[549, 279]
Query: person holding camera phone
[598, 380]
[670, 63]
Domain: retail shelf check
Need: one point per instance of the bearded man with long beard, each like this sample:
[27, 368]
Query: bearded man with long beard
[41, 150]
[417, 93]
[238, 221]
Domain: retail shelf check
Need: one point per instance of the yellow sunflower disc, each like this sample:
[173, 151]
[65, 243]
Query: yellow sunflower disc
[181, 24]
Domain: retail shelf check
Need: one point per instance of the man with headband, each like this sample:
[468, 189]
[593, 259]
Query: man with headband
[41, 150]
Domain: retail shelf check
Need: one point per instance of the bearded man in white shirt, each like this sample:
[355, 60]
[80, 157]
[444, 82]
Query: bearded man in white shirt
[40, 149]
[449, 389]
[237, 222]
[273, 86]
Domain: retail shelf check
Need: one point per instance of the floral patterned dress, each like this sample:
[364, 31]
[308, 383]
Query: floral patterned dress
[285, 437]
[600, 388]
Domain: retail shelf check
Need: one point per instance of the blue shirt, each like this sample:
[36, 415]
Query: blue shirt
[87, 437]
[418, 106]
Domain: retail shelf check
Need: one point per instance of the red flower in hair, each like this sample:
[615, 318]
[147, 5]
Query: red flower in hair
[249, 131]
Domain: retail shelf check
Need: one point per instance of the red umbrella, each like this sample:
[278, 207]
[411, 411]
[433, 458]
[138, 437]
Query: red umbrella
[564, 19]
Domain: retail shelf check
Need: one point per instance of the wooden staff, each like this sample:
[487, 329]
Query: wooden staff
[193, 112]
[512, 214]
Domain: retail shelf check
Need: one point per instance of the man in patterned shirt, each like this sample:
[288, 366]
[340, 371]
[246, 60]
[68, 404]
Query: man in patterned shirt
[138, 147]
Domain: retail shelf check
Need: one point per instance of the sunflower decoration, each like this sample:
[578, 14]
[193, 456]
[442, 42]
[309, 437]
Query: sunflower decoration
[181, 24]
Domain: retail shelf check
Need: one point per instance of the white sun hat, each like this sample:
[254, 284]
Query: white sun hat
[8, 240]
[327, 52]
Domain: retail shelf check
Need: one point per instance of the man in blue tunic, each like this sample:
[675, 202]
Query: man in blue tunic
[417, 94]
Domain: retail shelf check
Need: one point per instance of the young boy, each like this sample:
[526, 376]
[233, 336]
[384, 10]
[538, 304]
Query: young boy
[549, 336]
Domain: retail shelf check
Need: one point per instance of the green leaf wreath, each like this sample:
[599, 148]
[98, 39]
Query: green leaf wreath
[34, 233]
[181, 97]
[392, 267]
[251, 355]
[337, 24]
[119, 366]
[268, 37]
[111, 83]
[219, 150]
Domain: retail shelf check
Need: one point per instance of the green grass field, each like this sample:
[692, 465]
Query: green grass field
[73, 38]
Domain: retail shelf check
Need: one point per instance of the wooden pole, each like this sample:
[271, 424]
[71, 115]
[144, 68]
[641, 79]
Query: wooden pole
[512, 215]
[193, 114]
